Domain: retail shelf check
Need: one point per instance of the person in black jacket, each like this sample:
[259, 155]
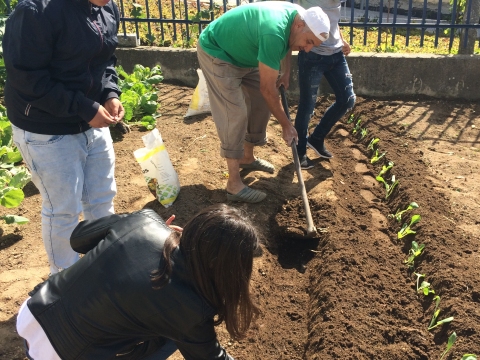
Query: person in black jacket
[61, 96]
[142, 290]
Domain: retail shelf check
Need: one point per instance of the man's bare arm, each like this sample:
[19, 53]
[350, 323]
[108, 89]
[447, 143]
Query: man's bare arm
[268, 88]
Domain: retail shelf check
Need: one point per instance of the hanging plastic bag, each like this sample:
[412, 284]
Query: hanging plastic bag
[161, 177]
[200, 104]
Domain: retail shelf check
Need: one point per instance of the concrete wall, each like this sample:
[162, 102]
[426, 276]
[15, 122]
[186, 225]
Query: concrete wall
[377, 75]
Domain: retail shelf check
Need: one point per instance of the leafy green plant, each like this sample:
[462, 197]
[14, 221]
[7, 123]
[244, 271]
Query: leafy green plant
[425, 286]
[451, 341]
[406, 228]
[139, 97]
[398, 214]
[388, 187]
[376, 156]
[385, 168]
[372, 143]
[469, 357]
[413, 253]
[434, 323]
[12, 178]
[363, 133]
[357, 126]
[351, 118]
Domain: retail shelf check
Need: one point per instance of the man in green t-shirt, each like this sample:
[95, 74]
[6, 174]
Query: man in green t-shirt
[240, 55]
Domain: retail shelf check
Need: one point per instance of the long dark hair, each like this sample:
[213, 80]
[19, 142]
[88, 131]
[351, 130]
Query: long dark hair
[218, 245]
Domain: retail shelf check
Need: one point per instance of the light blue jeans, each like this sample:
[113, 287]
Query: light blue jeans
[311, 68]
[74, 174]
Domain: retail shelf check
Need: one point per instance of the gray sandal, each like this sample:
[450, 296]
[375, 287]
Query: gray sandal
[260, 165]
[247, 195]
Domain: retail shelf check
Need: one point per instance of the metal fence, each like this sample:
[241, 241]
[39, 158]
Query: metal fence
[179, 22]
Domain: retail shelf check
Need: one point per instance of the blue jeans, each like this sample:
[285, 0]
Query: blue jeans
[74, 174]
[311, 68]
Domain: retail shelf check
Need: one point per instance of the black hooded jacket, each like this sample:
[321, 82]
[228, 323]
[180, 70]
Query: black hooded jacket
[104, 304]
[60, 64]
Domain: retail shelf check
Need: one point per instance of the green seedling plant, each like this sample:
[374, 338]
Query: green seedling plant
[388, 187]
[12, 177]
[424, 286]
[398, 214]
[376, 157]
[363, 133]
[357, 126]
[372, 143]
[351, 118]
[469, 357]
[451, 341]
[413, 253]
[406, 228]
[139, 97]
[385, 168]
[434, 323]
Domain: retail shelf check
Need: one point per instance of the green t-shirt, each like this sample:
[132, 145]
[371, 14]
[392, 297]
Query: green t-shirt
[251, 33]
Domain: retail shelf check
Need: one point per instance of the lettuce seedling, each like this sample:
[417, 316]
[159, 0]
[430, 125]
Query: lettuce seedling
[406, 228]
[357, 126]
[424, 286]
[469, 357]
[451, 341]
[363, 133]
[385, 168]
[377, 157]
[413, 253]
[351, 118]
[372, 143]
[433, 323]
[388, 187]
[398, 215]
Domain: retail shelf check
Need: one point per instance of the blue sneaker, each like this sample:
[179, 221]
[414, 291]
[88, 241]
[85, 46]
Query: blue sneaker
[319, 147]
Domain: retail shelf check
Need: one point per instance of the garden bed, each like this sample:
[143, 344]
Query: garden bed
[346, 294]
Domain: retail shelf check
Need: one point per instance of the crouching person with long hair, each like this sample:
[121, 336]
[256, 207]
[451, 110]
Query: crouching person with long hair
[142, 290]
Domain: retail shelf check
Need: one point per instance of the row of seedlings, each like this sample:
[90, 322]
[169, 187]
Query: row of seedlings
[416, 249]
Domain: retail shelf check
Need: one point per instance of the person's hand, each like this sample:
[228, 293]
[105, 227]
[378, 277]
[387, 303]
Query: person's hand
[173, 227]
[346, 49]
[290, 134]
[115, 108]
[284, 80]
[102, 118]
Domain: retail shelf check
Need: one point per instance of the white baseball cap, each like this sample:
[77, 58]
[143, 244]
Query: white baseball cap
[317, 21]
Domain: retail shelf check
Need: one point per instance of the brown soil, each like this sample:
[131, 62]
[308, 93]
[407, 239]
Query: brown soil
[346, 294]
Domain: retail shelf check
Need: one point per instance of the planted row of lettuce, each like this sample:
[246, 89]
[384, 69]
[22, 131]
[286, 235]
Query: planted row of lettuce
[422, 286]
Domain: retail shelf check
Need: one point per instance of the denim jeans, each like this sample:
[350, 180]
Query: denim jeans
[74, 174]
[311, 68]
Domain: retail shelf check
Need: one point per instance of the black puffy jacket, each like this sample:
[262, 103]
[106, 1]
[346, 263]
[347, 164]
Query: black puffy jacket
[104, 304]
[60, 64]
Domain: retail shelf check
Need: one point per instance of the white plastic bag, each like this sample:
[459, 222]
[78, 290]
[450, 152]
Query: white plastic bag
[200, 104]
[157, 168]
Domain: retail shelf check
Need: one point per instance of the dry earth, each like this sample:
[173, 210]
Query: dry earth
[346, 294]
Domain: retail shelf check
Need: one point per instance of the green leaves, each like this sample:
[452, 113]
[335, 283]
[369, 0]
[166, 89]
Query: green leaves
[372, 143]
[424, 286]
[139, 97]
[398, 215]
[451, 341]
[388, 187]
[14, 219]
[433, 323]
[413, 253]
[406, 228]
[377, 156]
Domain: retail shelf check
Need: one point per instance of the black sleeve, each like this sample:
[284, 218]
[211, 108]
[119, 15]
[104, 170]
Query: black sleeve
[205, 344]
[27, 50]
[110, 77]
[89, 233]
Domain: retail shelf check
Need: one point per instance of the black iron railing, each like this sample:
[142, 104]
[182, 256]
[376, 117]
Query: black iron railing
[179, 22]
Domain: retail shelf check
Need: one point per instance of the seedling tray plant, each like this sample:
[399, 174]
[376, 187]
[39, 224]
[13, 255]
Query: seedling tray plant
[398, 214]
[413, 253]
[425, 286]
